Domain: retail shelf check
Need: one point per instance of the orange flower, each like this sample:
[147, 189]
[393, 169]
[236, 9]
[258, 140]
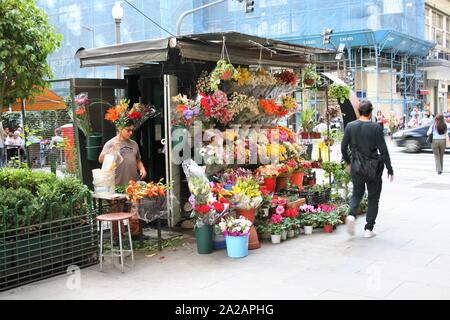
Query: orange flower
[181, 108]
[80, 111]
[112, 115]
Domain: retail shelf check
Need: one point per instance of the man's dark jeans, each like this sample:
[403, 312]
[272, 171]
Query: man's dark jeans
[374, 191]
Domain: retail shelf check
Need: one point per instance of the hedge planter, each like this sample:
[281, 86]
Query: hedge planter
[93, 146]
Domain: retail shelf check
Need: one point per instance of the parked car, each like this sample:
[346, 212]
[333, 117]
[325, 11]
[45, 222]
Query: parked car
[413, 140]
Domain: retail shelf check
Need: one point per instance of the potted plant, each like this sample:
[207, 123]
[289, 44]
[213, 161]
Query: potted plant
[308, 218]
[246, 197]
[223, 71]
[343, 211]
[266, 202]
[278, 205]
[300, 166]
[329, 217]
[307, 123]
[340, 92]
[364, 204]
[284, 177]
[275, 228]
[269, 173]
[237, 232]
[310, 76]
[289, 221]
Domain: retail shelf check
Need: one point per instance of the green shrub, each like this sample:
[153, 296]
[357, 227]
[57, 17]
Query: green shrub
[25, 178]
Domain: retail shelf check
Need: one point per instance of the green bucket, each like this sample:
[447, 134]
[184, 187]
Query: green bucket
[204, 237]
[94, 146]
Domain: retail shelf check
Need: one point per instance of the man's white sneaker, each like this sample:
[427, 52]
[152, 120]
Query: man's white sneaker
[350, 223]
[369, 233]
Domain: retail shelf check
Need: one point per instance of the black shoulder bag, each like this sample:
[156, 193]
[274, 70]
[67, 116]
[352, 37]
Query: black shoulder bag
[366, 167]
[430, 136]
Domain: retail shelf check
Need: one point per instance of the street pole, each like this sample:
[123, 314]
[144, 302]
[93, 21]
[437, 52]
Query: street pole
[118, 71]
[117, 14]
[184, 14]
[328, 126]
[25, 133]
[93, 42]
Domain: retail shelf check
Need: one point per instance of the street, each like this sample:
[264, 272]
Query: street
[408, 259]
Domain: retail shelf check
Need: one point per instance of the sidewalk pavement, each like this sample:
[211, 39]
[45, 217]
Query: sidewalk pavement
[408, 259]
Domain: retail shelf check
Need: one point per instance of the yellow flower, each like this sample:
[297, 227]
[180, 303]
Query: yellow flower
[243, 76]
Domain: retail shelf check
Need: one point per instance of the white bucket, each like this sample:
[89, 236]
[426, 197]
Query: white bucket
[104, 181]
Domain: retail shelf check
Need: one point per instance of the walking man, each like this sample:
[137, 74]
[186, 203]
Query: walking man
[366, 138]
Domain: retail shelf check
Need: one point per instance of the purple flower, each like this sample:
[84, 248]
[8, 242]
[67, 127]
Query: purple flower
[192, 200]
[188, 114]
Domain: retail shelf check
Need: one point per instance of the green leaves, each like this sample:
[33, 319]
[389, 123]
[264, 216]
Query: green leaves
[26, 41]
[341, 92]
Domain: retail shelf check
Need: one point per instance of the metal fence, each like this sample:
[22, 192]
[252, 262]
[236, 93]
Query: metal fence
[37, 243]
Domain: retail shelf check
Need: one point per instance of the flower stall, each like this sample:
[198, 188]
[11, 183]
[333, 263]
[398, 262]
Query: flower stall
[231, 138]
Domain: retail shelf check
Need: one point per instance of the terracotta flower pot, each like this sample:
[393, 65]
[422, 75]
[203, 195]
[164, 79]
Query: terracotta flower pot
[270, 183]
[297, 179]
[328, 228]
[253, 242]
[308, 82]
[282, 181]
[304, 135]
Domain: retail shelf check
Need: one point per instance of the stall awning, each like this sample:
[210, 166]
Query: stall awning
[241, 48]
[125, 54]
[47, 100]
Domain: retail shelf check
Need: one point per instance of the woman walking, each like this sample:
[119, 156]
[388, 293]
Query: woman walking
[440, 141]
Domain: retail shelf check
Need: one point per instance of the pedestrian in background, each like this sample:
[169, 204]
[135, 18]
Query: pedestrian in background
[393, 124]
[380, 119]
[439, 130]
[366, 138]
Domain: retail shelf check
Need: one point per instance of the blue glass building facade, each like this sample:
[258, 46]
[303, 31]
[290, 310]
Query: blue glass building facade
[88, 23]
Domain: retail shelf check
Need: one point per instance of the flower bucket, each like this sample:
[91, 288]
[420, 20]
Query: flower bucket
[219, 242]
[328, 228]
[283, 235]
[204, 236]
[297, 179]
[282, 182]
[270, 183]
[308, 229]
[93, 146]
[249, 214]
[237, 246]
[276, 238]
[291, 234]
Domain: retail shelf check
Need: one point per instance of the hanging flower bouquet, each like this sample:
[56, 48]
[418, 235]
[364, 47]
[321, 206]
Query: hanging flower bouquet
[245, 108]
[223, 71]
[272, 109]
[215, 107]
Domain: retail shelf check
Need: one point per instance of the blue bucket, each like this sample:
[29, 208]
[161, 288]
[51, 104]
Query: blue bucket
[219, 242]
[237, 247]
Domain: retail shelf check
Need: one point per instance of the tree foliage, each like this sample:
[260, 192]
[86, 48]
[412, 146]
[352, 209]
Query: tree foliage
[26, 40]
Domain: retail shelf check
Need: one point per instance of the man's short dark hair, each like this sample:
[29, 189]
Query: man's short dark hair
[365, 108]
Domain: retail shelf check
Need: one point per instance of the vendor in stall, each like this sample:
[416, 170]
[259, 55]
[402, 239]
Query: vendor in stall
[128, 158]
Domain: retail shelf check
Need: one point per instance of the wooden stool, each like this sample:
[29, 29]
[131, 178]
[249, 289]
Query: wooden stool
[111, 218]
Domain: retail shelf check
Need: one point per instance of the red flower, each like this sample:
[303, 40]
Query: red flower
[291, 213]
[135, 115]
[219, 206]
[224, 201]
[202, 209]
[264, 191]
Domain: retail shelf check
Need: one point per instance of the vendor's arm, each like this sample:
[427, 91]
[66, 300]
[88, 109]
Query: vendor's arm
[107, 149]
[141, 168]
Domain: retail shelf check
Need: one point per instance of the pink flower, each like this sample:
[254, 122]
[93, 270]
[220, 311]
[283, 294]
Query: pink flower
[279, 210]
[276, 218]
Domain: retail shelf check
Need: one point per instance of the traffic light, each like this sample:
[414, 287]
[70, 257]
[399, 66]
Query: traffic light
[249, 6]
[327, 35]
